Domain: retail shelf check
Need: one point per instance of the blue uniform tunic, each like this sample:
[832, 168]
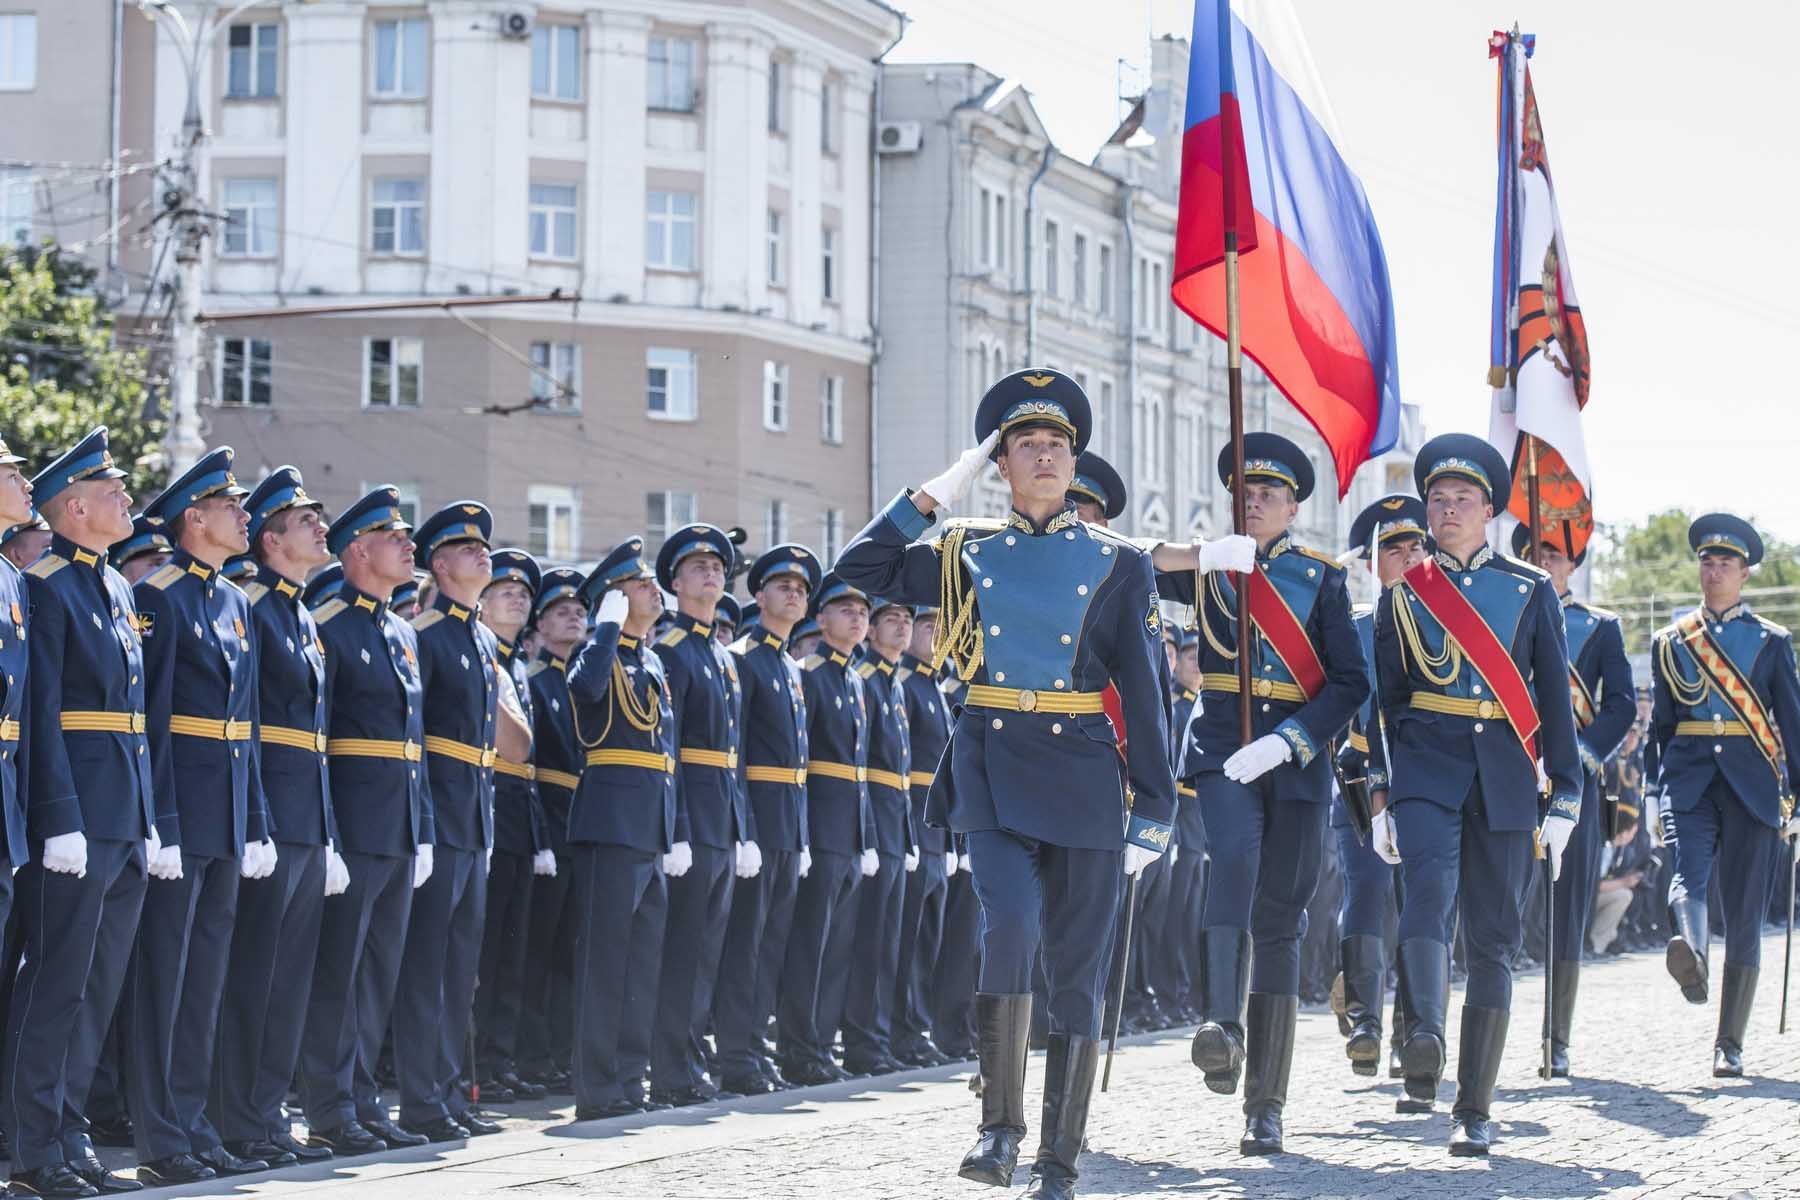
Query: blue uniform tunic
[15, 667]
[922, 919]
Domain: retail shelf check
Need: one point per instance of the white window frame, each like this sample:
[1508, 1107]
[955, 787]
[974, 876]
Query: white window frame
[397, 208]
[1107, 283]
[553, 521]
[831, 410]
[400, 83]
[1159, 298]
[1052, 252]
[778, 397]
[261, 62]
[829, 284]
[562, 360]
[776, 266]
[553, 219]
[831, 534]
[235, 387]
[253, 219]
[399, 348]
[680, 386]
[829, 117]
[663, 224]
[557, 81]
[1078, 268]
[678, 509]
[775, 521]
[18, 51]
[670, 73]
[778, 103]
[1002, 238]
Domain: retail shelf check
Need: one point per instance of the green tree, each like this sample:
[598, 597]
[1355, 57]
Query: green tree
[61, 372]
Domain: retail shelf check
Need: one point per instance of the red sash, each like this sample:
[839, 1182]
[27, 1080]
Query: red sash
[1286, 635]
[1115, 710]
[1580, 698]
[1444, 601]
[1731, 685]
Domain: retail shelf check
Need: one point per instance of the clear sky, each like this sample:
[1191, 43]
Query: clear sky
[1670, 130]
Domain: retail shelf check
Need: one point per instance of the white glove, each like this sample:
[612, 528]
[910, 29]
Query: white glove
[953, 483]
[167, 863]
[677, 861]
[964, 862]
[871, 863]
[487, 865]
[544, 863]
[1233, 552]
[1555, 837]
[912, 861]
[749, 860]
[270, 858]
[1174, 854]
[615, 606]
[1258, 758]
[1384, 837]
[422, 866]
[152, 844]
[337, 872]
[949, 863]
[1792, 828]
[66, 854]
[805, 861]
[250, 861]
[1137, 858]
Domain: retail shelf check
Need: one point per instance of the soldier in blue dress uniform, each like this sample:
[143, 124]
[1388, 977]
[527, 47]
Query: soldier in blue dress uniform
[774, 753]
[146, 550]
[1605, 704]
[89, 814]
[375, 740]
[212, 821]
[726, 619]
[1178, 947]
[1726, 726]
[713, 839]
[621, 828]
[1040, 612]
[1473, 670]
[1266, 804]
[22, 543]
[404, 603]
[276, 938]
[324, 584]
[15, 674]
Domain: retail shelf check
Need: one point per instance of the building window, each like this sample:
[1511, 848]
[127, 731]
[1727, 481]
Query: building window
[672, 74]
[828, 280]
[671, 377]
[993, 230]
[252, 61]
[1141, 312]
[16, 205]
[777, 275]
[556, 383]
[1159, 299]
[1052, 252]
[777, 100]
[400, 48]
[556, 62]
[397, 217]
[775, 522]
[393, 370]
[1153, 437]
[666, 511]
[245, 375]
[552, 521]
[828, 117]
[1106, 397]
[409, 497]
[1079, 268]
[999, 364]
[669, 245]
[553, 216]
[775, 396]
[249, 218]
[1106, 279]
[831, 410]
[18, 51]
[831, 534]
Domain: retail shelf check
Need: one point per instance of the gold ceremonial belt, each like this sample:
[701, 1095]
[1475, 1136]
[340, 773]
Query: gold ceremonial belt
[1272, 689]
[1717, 727]
[922, 778]
[646, 759]
[756, 774]
[523, 771]
[210, 727]
[1025, 700]
[832, 770]
[1457, 706]
[1358, 742]
[1182, 789]
[9, 730]
[299, 739]
[103, 722]
[888, 779]
[462, 752]
[693, 756]
[562, 779]
[372, 748]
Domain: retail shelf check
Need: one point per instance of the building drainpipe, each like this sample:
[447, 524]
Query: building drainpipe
[875, 278]
[1031, 254]
[116, 84]
[1131, 351]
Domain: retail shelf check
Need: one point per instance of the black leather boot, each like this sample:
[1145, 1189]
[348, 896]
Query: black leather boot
[1365, 969]
[1425, 970]
[1686, 955]
[1477, 1067]
[1397, 1038]
[1218, 1048]
[1069, 1065]
[1734, 1015]
[1269, 1053]
[1562, 1015]
[1002, 1031]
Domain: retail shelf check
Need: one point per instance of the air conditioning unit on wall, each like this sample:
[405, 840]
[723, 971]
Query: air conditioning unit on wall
[899, 137]
[515, 24]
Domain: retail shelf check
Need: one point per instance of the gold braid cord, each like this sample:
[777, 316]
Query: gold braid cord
[958, 633]
[1440, 669]
[1684, 693]
[645, 718]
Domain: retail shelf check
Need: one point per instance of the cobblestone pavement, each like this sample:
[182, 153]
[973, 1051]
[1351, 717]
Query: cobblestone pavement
[1643, 1117]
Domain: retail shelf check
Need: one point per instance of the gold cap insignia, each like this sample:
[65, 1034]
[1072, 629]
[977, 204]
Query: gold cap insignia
[471, 509]
[1396, 502]
[1039, 381]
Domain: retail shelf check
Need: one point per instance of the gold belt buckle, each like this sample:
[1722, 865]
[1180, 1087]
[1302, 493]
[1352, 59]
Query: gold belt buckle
[1265, 687]
[319, 742]
[1718, 726]
[1027, 700]
[411, 750]
[1485, 710]
[137, 722]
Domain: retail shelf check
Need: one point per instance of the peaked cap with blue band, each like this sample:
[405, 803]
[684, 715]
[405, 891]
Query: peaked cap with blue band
[558, 583]
[463, 521]
[7, 457]
[1464, 456]
[698, 538]
[807, 626]
[240, 568]
[789, 558]
[1722, 531]
[87, 459]
[146, 537]
[1521, 543]
[1036, 396]
[730, 612]
[1387, 519]
[211, 476]
[516, 566]
[282, 490]
[380, 509]
[407, 593]
[1096, 480]
[37, 522]
[625, 563]
[834, 588]
[323, 585]
[1270, 458]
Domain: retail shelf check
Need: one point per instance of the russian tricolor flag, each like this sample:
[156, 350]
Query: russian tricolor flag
[1317, 313]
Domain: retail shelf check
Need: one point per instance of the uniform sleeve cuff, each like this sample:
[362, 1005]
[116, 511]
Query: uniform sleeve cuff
[1148, 834]
[1377, 779]
[1297, 738]
[1589, 759]
[906, 517]
[1566, 806]
[168, 830]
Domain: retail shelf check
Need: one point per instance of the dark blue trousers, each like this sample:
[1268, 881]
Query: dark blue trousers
[622, 904]
[78, 936]
[273, 948]
[921, 932]
[1266, 850]
[1451, 854]
[756, 937]
[875, 962]
[436, 996]
[547, 1022]
[500, 987]
[1179, 937]
[699, 908]
[1064, 899]
[362, 935]
[958, 967]
[1369, 884]
[1580, 876]
[1719, 836]
[826, 889]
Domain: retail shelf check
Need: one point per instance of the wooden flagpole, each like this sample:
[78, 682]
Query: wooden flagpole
[1234, 376]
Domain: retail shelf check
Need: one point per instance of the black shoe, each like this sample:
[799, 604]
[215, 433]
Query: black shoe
[1003, 1032]
[226, 1163]
[1069, 1066]
[1470, 1135]
[553, 1081]
[476, 1124]
[520, 1088]
[394, 1135]
[685, 1097]
[349, 1138]
[646, 1104]
[747, 1085]
[812, 1073]
[176, 1168]
[1734, 1015]
[1477, 1067]
[443, 1129]
[1218, 1048]
[54, 1182]
[270, 1153]
[1685, 956]
[1425, 974]
[1269, 1056]
[491, 1092]
[605, 1112]
[117, 1133]
[286, 1143]
[96, 1175]
[873, 1066]
[1563, 986]
[766, 1067]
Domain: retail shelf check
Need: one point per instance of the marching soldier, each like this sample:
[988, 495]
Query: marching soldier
[15, 675]
[211, 818]
[275, 940]
[375, 702]
[713, 838]
[621, 830]
[145, 551]
[1265, 804]
[774, 758]
[1040, 612]
[23, 542]
[1187, 874]
[1605, 704]
[89, 815]
[1473, 668]
[1726, 726]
